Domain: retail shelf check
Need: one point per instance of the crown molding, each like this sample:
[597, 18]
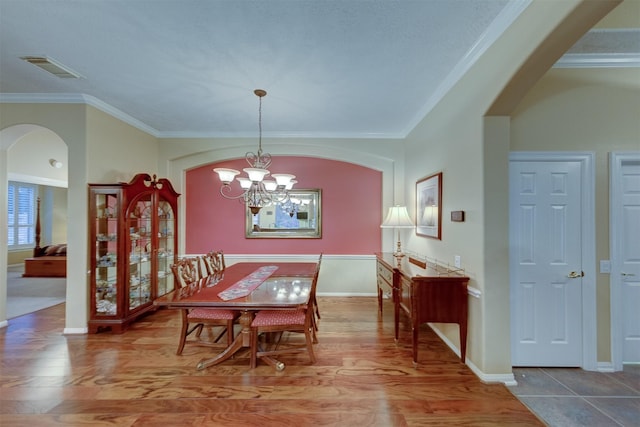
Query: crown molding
[598, 60]
[71, 98]
[282, 135]
[504, 19]
[76, 98]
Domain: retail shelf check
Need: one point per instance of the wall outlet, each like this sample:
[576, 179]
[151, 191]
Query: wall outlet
[456, 261]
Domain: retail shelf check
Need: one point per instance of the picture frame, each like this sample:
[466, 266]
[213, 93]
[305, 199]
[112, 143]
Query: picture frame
[297, 217]
[429, 206]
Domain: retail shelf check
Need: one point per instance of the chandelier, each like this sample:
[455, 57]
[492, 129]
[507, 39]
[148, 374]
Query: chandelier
[293, 205]
[257, 191]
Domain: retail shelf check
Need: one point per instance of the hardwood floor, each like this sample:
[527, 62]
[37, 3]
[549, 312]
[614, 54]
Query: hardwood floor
[361, 378]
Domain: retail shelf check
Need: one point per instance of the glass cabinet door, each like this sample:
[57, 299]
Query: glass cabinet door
[166, 245]
[139, 225]
[106, 253]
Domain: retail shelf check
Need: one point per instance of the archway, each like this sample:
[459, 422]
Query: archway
[29, 153]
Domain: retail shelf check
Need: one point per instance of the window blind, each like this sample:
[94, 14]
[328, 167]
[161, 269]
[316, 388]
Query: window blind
[21, 215]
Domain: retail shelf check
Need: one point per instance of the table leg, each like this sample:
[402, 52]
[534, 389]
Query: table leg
[241, 340]
[279, 366]
[270, 337]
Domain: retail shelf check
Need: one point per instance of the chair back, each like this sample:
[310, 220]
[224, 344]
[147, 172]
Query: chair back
[185, 272]
[314, 283]
[215, 265]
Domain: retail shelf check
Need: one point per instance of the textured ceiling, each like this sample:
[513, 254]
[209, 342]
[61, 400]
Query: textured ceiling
[331, 68]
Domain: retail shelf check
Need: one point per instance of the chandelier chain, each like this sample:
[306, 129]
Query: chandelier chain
[260, 127]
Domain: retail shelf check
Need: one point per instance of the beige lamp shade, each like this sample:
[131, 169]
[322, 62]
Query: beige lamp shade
[397, 217]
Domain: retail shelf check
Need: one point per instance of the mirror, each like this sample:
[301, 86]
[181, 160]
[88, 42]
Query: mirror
[296, 218]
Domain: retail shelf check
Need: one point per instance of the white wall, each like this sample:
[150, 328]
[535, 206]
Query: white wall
[340, 275]
[30, 155]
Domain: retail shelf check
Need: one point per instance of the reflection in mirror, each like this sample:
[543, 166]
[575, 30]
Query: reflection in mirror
[297, 217]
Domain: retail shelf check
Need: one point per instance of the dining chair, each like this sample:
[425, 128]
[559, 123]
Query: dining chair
[281, 321]
[187, 273]
[214, 266]
[316, 310]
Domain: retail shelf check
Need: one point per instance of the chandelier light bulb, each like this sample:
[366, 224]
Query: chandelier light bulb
[290, 185]
[256, 174]
[226, 175]
[283, 179]
[245, 183]
[270, 185]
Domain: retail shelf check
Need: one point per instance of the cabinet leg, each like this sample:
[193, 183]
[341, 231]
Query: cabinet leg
[463, 341]
[414, 339]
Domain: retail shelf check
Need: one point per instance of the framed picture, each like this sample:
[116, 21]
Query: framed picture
[429, 206]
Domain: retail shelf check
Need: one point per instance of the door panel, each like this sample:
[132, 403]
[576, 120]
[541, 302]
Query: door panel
[545, 240]
[630, 260]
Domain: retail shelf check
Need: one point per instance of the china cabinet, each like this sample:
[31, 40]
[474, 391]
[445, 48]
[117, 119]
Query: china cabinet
[133, 242]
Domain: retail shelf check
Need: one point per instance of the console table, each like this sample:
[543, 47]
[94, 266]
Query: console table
[425, 292]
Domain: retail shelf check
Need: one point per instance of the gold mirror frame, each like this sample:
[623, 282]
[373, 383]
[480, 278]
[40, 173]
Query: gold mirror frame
[286, 221]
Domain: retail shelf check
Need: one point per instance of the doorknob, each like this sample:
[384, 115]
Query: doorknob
[575, 274]
[627, 274]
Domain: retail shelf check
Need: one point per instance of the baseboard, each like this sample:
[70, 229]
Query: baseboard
[506, 378]
[4, 324]
[75, 331]
[605, 367]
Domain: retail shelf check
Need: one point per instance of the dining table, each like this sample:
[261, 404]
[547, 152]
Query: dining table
[247, 287]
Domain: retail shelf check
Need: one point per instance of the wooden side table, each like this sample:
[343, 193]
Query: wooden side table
[425, 292]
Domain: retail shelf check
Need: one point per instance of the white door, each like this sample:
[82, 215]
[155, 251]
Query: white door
[625, 250]
[545, 264]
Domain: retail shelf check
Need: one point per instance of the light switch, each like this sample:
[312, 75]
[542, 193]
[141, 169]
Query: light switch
[456, 261]
[605, 266]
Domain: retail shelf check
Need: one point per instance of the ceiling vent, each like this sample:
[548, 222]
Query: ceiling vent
[52, 66]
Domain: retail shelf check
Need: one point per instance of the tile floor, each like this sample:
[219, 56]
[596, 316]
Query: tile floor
[570, 397]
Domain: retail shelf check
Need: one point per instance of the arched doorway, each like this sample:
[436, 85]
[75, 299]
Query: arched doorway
[35, 156]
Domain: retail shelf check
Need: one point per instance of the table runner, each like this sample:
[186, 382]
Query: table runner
[246, 285]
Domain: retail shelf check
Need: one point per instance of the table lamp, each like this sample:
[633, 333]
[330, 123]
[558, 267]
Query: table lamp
[398, 217]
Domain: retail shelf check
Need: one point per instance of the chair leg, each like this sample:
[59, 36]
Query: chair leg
[310, 337]
[312, 355]
[315, 304]
[216, 338]
[314, 322]
[230, 334]
[253, 338]
[183, 332]
[199, 327]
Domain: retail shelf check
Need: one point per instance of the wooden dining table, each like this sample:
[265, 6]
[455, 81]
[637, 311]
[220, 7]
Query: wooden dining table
[286, 288]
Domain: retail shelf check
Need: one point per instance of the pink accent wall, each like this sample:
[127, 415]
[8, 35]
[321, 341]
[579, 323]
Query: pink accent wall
[351, 209]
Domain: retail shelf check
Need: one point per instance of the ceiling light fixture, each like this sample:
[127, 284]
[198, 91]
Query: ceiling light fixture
[257, 191]
[55, 163]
